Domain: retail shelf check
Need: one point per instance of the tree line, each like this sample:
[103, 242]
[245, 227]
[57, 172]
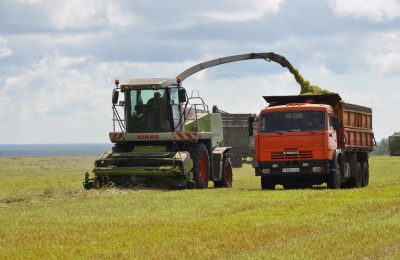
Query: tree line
[382, 147]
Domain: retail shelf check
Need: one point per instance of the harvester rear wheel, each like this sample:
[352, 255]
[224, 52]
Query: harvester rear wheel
[201, 166]
[227, 176]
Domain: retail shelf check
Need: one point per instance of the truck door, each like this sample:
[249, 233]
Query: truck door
[332, 136]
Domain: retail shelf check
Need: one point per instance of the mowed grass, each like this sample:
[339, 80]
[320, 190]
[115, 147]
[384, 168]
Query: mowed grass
[45, 213]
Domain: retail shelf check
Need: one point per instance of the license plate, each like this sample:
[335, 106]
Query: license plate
[291, 170]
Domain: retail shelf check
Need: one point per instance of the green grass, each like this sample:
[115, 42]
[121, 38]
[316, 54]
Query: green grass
[45, 213]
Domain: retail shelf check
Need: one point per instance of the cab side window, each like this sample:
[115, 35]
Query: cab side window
[330, 122]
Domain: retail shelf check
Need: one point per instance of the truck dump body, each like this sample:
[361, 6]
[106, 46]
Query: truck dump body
[357, 127]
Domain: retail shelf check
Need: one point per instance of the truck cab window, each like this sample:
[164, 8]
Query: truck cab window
[293, 121]
[330, 117]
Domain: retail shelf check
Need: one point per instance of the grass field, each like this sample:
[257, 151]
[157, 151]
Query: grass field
[45, 213]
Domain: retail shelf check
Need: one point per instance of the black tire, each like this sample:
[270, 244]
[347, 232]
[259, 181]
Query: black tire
[359, 176]
[267, 184]
[201, 166]
[355, 172]
[227, 177]
[335, 177]
[120, 148]
[297, 186]
[291, 187]
[365, 173]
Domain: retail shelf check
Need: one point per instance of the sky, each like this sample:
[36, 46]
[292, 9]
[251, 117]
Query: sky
[59, 59]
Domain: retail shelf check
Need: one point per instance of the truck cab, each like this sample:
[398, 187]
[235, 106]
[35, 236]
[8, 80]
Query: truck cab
[297, 139]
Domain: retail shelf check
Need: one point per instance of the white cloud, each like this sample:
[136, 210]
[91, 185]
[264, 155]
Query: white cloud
[382, 52]
[375, 10]
[248, 10]
[4, 49]
[76, 14]
[118, 16]
[81, 14]
[242, 94]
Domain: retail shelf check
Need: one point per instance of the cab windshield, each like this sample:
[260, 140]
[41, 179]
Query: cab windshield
[147, 111]
[293, 121]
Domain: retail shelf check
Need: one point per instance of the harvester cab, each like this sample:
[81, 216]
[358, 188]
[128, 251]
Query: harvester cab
[162, 136]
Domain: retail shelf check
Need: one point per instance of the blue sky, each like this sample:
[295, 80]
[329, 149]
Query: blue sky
[59, 59]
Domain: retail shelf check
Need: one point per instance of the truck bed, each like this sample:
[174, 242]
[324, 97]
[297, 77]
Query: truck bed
[356, 133]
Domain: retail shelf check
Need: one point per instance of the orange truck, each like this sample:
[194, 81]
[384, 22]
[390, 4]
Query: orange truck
[307, 140]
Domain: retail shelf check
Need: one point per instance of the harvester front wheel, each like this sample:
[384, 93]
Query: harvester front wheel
[201, 166]
[227, 176]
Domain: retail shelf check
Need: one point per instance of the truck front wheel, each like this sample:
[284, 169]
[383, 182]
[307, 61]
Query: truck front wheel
[335, 177]
[267, 184]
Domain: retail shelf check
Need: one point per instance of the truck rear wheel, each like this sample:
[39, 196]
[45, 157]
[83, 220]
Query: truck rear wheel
[365, 174]
[227, 176]
[335, 177]
[359, 176]
[267, 184]
[356, 180]
[201, 166]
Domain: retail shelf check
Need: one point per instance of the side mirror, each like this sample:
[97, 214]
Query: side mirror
[215, 109]
[251, 129]
[182, 95]
[115, 96]
[335, 123]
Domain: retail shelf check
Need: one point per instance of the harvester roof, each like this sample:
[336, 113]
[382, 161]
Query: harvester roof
[150, 83]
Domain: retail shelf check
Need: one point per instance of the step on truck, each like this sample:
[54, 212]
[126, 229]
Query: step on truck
[307, 140]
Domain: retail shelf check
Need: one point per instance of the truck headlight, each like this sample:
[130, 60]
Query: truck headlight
[266, 171]
[317, 169]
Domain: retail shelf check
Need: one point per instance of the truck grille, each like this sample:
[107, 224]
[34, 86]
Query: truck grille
[299, 155]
